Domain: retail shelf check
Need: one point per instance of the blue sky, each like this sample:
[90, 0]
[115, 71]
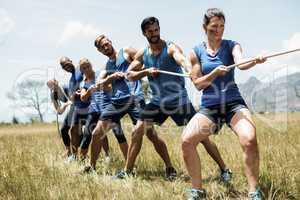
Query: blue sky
[34, 34]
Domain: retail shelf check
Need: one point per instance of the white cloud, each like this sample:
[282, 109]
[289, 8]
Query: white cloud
[293, 42]
[279, 66]
[7, 24]
[77, 30]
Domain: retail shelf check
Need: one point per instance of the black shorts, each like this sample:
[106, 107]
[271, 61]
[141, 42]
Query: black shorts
[116, 111]
[220, 114]
[79, 116]
[91, 123]
[181, 115]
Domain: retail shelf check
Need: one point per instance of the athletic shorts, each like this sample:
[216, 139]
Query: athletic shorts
[181, 115]
[220, 114]
[116, 111]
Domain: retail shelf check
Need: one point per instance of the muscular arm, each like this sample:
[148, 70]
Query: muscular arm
[135, 70]
[176, 52]
[86, 93]
[237, 54]
[129, 53]
[57, 106]
[201, 81]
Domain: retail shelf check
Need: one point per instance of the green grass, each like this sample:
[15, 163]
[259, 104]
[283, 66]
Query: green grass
[31, 166]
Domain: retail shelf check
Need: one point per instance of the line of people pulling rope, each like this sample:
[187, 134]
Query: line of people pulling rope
[108, 95]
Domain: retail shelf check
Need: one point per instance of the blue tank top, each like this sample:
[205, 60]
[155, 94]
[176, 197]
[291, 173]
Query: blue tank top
[99, 99]
[122, 90]
[74, 84]
[167, 90]
[223, 89]
[136, 89]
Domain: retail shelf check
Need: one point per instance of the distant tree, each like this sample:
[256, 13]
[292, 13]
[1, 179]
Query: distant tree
[15, 120]
[31, 95]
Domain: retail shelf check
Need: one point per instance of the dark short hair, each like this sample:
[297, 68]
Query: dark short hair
[148, 21]
[212, 12]
[98, 40]
[64, 59]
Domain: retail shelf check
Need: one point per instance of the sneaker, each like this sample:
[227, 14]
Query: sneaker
[89, 170]
[123, 175]
[107, 160]
[256, 195]
[195, 194]
[171, 173]
[70, 159]
[226, 176]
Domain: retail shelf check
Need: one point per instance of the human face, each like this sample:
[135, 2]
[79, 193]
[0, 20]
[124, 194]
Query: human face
[105, 47]
[215, 28]
[68, 66]
[152, 33]
[86, 69]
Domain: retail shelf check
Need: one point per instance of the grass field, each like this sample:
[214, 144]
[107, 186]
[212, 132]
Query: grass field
[31, 166]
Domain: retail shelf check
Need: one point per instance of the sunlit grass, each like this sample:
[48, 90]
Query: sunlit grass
[31, 165]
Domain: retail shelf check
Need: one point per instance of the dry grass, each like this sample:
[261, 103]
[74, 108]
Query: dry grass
[31, 166]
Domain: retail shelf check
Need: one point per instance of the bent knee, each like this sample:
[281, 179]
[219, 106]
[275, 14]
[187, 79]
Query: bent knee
[249, 142]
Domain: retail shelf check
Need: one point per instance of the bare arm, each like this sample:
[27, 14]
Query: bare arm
[135, 70]
[86, 93]
[129, 53]
[237, 54]
[203, 81]
[106, 80]
[60, 109]
[176, 52]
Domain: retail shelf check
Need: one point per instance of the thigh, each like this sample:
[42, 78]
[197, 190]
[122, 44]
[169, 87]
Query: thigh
[243, 125]
[198, 129]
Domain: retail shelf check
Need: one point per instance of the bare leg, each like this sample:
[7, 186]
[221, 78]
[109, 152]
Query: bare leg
[213, 151]
[74, 132]
[97, 135]
[124, 149]
[160, 146]
[197, 130]
[135, 145]
[244, 127]
[105, 145]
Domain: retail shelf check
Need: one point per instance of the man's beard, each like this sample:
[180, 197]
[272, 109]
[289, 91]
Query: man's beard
[110, 53]
[154, 39]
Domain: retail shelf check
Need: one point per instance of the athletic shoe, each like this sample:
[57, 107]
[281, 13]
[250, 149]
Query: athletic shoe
[226, 176]
[171, 173]
[89, 170]
[195, 194]
[70, 159]
[123, 175]
[256, 195]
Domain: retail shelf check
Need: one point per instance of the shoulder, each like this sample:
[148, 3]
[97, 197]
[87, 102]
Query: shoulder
[129, 53]
[230, 43]
[198, 49]
[129, 50]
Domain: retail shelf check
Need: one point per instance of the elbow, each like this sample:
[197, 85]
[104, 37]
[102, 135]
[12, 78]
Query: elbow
[130, 76]
[199, 87]
[82, 98]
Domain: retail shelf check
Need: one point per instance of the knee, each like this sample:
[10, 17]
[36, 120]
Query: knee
[187, 147]
[249, 143]
[97, 132]
[137, 135]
